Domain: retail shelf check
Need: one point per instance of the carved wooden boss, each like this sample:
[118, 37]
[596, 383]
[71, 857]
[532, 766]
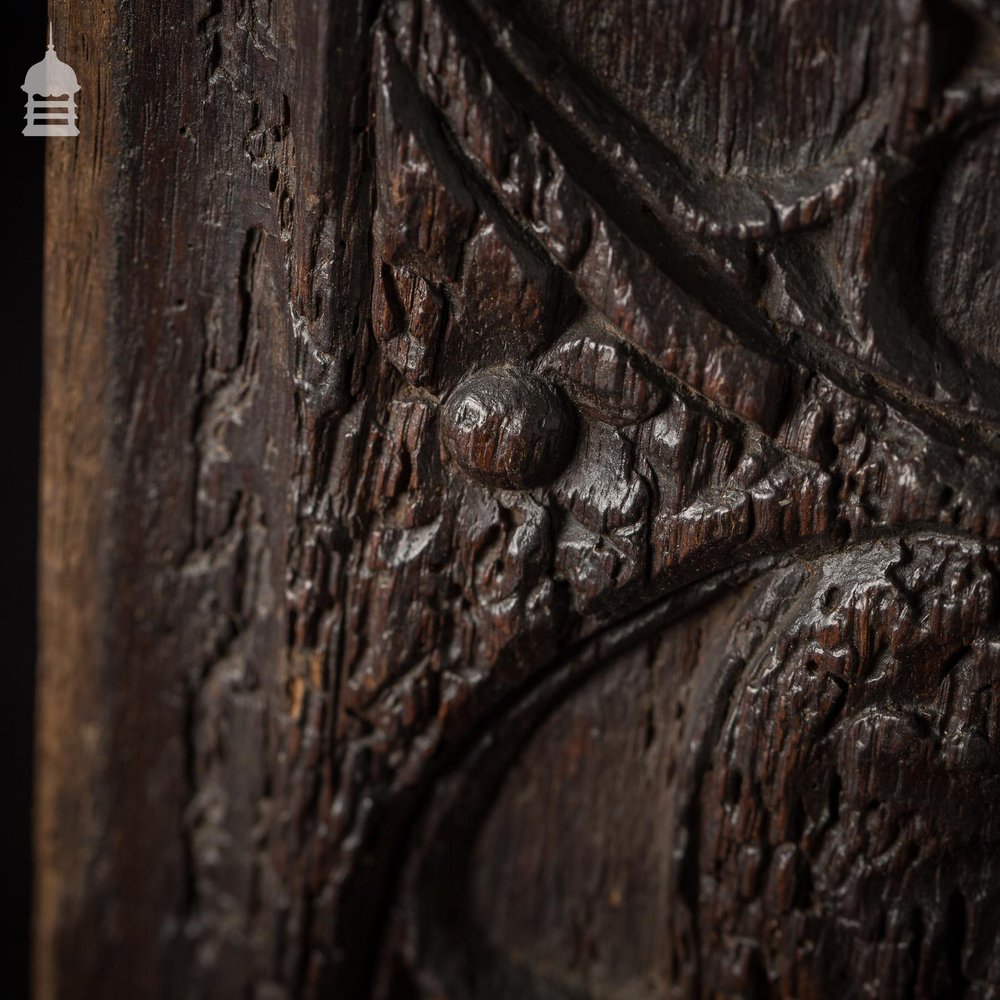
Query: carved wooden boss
[521, 502]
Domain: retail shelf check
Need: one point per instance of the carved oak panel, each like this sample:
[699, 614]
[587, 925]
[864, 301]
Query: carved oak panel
[538, 532]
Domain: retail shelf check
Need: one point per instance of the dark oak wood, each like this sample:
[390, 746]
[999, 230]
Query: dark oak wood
[521, 511]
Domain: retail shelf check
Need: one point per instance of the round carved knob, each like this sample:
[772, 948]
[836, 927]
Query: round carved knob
[508, 428]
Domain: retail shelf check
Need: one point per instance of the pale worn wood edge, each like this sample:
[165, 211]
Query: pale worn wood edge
[80, 263]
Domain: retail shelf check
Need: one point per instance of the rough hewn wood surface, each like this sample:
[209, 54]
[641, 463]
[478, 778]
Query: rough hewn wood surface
[521, 509]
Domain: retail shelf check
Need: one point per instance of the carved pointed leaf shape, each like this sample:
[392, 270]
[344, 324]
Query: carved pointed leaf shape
[607, 378]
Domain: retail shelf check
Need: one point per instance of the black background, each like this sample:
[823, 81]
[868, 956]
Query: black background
[20, 371]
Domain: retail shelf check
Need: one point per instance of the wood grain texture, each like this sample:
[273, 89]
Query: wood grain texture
[520, 502]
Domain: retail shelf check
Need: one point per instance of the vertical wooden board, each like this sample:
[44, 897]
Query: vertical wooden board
[188, 253]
